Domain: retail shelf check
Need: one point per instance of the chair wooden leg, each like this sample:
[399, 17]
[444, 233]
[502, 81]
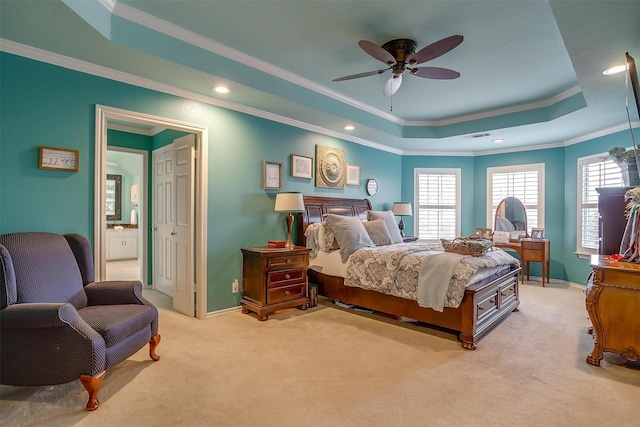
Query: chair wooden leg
[152, 348]
[92, 384]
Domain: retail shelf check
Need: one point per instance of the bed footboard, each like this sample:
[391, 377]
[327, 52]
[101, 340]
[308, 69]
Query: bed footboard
[483, 306]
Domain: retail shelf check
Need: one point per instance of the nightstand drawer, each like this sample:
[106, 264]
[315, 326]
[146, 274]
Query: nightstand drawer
[528, 245]
[287, 293]
[277, 279]
[537, 255]
[287, 261]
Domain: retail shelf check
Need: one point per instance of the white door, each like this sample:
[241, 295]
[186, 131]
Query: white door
[163, 222]
[184, 285]
[173, 210]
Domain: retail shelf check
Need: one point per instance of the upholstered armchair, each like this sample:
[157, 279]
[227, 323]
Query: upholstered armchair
[56, 323]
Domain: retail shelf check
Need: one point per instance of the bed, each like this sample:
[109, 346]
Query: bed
[484, 303]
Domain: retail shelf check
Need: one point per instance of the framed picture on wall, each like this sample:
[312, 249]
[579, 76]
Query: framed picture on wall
[353, 174]
[58, 159]
[271, 175]
[301, 166]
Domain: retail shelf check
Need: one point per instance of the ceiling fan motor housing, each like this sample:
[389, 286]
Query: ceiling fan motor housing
[401, 50]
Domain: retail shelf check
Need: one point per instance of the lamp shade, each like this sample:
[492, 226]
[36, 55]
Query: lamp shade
[402, 208]
[289, 202]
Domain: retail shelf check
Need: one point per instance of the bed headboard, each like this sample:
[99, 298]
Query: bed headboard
[317, 206]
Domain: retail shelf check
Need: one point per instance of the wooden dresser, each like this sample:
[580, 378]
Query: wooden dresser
[613, 304]
[612, 221]
[274, 279]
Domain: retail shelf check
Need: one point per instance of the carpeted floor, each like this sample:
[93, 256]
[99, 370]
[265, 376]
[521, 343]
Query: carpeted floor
[332, 367]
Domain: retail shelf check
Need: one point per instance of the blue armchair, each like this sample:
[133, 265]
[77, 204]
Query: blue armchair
[56, 323]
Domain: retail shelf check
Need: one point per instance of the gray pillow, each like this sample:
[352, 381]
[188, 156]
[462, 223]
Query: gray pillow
[390, 221]
[350, 234]
[378, 232]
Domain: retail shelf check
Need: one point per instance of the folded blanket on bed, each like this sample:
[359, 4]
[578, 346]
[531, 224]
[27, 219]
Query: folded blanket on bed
[435, 275]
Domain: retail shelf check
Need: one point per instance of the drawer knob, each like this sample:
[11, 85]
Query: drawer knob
[287, 276]
[287, 293]
[288, 261]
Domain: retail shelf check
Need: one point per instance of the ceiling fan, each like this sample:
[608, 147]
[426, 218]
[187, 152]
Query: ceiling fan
[400, 55]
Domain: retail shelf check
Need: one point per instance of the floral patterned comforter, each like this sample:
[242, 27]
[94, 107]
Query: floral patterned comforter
[394, 269]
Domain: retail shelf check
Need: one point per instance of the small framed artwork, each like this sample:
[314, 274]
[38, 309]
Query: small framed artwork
[353, 174]
[59, 159]
[537, 233]
[301, 166]
[271, 175]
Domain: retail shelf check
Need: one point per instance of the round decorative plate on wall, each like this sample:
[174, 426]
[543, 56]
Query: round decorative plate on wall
[330, 167]
[372, 187]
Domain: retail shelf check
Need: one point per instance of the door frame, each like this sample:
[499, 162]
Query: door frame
[103, 114]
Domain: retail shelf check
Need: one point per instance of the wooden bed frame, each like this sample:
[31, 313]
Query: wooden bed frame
[483, 306]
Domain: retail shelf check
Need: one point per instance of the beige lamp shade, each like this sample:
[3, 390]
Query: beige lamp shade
[289, 202]
[402, 209]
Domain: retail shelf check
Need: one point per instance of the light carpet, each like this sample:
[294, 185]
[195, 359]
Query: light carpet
[329, 366]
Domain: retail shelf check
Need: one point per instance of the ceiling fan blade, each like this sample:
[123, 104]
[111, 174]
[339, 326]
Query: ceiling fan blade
[435, 50]
[377, 52]
[435, 73]
[392, 85]
[357, 76]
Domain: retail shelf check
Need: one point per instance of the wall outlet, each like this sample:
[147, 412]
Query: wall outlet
[234, 286]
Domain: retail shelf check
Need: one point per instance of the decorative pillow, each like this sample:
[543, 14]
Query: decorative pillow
[390, 221]
[378, 232]
[327, 239]
[349, 233]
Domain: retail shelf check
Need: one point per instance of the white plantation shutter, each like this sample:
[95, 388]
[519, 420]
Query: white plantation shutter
[525, 182]
[437, 197]
[593, 172]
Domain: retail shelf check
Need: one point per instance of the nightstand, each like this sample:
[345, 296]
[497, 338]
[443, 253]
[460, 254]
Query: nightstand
[274, 279]
[536, 250]
[407, 239]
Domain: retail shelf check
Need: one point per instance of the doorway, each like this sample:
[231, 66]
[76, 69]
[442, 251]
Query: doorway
[126, 245]
[106, 115]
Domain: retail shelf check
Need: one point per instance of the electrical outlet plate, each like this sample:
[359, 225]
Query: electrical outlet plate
[234, 286]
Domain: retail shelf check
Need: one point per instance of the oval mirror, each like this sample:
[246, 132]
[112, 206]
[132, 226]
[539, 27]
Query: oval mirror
[511, 216]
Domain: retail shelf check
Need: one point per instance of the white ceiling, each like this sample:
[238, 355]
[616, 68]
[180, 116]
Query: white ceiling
[530, 70]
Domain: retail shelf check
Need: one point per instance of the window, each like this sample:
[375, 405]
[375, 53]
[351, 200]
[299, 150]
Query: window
[593, 172]
[526, 182]
[437, 197]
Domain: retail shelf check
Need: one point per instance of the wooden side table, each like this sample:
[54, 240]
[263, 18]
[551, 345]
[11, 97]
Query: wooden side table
[536, 250]
[612, 301]
[274, 279]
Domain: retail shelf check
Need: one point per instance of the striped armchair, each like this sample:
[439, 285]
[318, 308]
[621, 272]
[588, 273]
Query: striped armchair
[56, 323]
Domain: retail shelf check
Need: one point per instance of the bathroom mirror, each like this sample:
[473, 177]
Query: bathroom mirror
[511, 216]
[113, 197]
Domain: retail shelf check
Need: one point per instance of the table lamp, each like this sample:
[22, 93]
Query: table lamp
[401, 209]
[289, 202]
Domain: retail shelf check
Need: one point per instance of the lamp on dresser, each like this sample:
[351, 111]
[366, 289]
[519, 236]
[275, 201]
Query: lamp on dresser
[289, 202]
[401, 209]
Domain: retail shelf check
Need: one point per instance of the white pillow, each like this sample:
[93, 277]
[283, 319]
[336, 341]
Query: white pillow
[390, 221]
[378, 232]
[349, 233]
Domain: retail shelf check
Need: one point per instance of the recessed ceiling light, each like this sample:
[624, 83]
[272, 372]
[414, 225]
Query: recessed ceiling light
[614, 70]
[221, 89]
[349, 127]
[498, 140]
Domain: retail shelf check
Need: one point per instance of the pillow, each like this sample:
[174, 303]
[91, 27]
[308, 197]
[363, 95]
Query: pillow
[313, 241]
[378, 232]
[350, 234]
[327, 239]
[390, 221]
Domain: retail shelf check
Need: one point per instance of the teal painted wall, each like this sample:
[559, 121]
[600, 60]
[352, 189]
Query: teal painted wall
[43, 104]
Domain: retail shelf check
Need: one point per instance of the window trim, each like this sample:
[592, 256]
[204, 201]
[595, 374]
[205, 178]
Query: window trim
[539, 167]
[457, 172]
